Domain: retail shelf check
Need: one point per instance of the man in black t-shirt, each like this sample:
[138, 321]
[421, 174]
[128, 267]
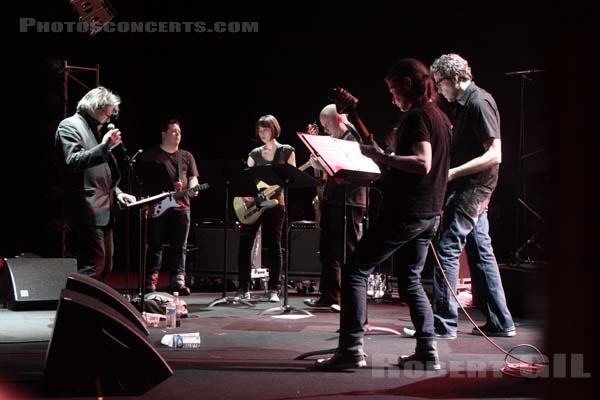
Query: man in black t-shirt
[414, 185]
[173, 225]
[476, 155]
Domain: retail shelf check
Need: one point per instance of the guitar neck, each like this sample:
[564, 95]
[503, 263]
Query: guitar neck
[183, 193]
[366, 137]
[272, 189]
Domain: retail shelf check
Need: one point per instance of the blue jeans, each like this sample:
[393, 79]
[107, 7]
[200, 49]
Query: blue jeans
[387, 235]
[466, 226]
[172, 227]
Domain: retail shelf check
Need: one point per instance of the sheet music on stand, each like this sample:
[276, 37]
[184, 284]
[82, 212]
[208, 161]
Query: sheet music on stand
[341, 158]
[148, 201]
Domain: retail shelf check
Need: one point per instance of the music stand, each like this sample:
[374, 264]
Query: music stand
[142, 207]
[286, 176]
[153, 178]
[237, 183]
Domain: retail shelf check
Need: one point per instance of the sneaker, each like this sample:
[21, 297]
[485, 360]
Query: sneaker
[339, 362]
[317, 303]
[489, 332]
[417, 362]
[273, 297]
[335, 308]
[411, 333]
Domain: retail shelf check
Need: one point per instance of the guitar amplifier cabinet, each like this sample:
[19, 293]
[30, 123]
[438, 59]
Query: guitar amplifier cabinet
[209, 240]
[304, 249]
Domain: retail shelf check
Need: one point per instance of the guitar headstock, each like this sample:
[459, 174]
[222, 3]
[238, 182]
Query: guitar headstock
[343, 100]
[313, 129]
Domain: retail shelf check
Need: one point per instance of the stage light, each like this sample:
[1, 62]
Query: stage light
[97, 13]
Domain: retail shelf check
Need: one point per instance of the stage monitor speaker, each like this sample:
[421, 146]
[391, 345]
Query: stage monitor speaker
[35, 283]
[304, 250]
[96, 351]
[91, 287]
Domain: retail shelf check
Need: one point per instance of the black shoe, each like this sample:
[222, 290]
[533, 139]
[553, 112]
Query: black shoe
[182, 290]
[317, 303]
[492, 332]
[425, 356]
[341, 362]
[411, 333]
[418, 362]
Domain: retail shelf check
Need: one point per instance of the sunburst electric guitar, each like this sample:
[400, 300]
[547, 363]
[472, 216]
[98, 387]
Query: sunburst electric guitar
[168, 202]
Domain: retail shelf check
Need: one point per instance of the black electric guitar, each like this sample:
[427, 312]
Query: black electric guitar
[171, 201]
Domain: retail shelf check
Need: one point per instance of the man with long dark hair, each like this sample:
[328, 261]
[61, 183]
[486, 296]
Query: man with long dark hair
[416, 165]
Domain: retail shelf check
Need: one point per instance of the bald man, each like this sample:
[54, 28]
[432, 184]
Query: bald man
[334, 207]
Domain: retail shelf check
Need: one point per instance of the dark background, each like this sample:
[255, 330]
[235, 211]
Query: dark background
[220, 84]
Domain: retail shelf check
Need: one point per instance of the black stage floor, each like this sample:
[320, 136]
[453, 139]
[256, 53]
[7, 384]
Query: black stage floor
[244, 355]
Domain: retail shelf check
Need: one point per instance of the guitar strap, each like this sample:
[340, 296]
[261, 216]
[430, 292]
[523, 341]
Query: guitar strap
[179, 166]
[277, 155]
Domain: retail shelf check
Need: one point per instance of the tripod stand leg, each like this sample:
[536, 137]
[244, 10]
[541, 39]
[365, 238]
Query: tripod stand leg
[230, 300]
[315, 353]
[285, 309]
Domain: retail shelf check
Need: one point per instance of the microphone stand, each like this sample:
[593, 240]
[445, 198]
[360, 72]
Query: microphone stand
[521, 190]
[130, 176]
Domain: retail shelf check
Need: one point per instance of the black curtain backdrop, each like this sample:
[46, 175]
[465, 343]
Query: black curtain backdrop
[219, 84]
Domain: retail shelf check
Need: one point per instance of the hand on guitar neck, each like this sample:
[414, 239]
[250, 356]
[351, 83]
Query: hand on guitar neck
[345, 103]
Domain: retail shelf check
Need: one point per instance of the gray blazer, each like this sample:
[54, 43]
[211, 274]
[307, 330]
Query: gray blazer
[89, 173]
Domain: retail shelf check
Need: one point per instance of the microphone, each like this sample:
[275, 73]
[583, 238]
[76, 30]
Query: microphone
[525, 72]
[137, 153]
[111, 126]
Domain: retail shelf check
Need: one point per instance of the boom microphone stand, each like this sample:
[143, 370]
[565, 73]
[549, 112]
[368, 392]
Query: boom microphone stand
[525, 75]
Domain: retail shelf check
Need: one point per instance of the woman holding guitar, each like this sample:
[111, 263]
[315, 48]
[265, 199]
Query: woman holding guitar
[267, 129]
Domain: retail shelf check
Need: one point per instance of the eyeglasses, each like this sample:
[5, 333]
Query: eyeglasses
[438, 83]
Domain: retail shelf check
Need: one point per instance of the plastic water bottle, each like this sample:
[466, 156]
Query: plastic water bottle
[177, 303]
[171, 315]
[182, 340]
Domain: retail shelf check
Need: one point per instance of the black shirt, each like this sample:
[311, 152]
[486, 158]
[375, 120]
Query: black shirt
[413, 195]
[169, 160]
[475, 119]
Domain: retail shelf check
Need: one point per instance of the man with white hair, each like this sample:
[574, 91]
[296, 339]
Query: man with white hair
[339, 204]
[89, 178]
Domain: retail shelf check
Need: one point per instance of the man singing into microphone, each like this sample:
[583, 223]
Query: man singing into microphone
[89, 178]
